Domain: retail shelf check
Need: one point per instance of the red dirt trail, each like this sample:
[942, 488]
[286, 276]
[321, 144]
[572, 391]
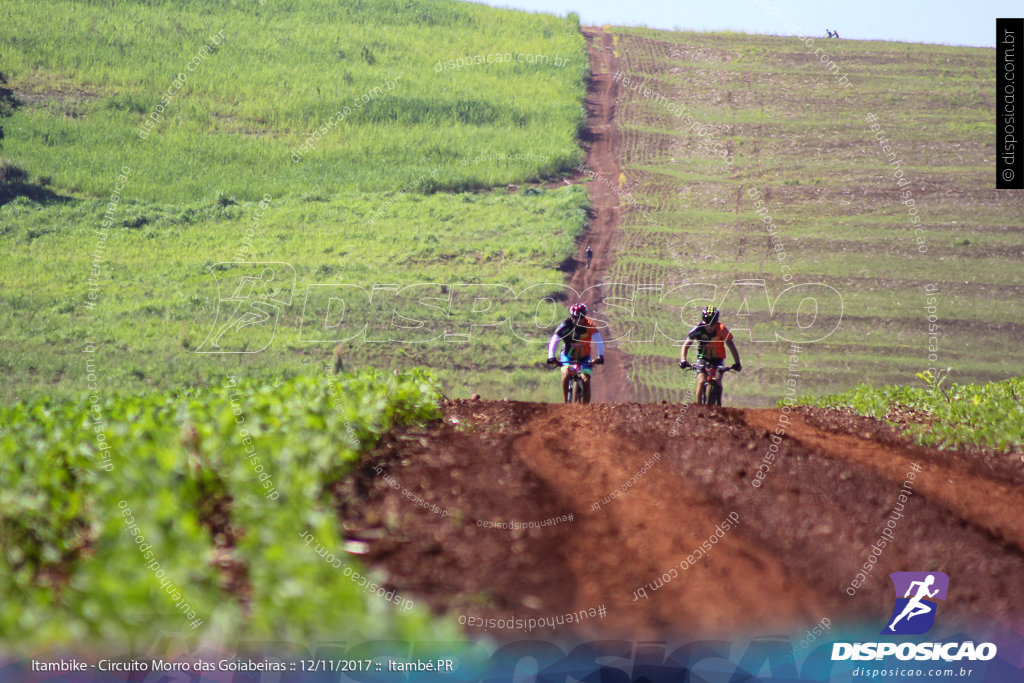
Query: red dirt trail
[602, 141]
[802, 537]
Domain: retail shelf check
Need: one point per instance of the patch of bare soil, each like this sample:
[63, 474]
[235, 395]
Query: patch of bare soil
[800, 539]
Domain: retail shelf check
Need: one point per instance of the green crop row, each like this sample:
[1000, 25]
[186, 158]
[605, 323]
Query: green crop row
[80, 531]
[807, 195]
[989, 415]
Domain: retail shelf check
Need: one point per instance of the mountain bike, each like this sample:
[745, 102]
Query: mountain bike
[712, 391]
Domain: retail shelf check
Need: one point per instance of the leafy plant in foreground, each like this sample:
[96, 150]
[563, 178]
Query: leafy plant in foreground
[71, 570]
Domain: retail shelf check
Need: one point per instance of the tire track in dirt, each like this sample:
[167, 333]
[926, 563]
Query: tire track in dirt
[994, 507]
[642, 536]
[611, 383]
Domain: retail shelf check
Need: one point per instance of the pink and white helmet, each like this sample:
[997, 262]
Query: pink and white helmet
[577, 310]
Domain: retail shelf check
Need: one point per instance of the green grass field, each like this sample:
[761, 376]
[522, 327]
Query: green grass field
[281, 71]
[227, 138]
[805, 142]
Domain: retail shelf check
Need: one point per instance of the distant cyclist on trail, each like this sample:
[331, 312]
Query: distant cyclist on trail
[712, 337]
[915, 607]
[590, 255]
[577, 332]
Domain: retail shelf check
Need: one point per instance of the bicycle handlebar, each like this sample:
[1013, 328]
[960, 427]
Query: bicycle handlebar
[723, 368]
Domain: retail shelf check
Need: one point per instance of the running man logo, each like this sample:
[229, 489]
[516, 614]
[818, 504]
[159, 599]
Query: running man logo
[916, 615]
[247, 319]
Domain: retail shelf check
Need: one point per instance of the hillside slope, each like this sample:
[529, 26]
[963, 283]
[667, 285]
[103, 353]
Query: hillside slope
[355, 143]
[762, 161]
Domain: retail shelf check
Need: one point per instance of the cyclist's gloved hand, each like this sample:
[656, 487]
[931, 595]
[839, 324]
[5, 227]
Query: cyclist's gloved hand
[552, 361]
[685, 364]
[599, 360]
[736, 367]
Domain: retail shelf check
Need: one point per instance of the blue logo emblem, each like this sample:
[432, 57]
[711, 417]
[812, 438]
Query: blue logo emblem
[914, 615]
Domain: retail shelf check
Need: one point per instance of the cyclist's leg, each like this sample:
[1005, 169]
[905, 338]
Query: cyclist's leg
[711, 380]
[719, 377]
[585, 376]
[565, 381]
[701, 379]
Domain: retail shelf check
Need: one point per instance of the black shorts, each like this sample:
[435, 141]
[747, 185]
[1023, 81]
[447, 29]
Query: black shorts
[703, 363]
